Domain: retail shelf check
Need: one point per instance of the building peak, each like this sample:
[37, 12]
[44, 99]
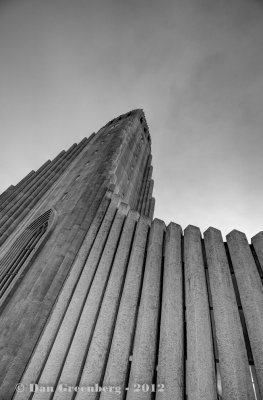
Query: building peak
[137, 113]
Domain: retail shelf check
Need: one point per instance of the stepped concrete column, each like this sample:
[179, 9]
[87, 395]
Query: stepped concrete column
[200, 366]
[144, 350]
[251, 294]
[170, 372]
[233, 361]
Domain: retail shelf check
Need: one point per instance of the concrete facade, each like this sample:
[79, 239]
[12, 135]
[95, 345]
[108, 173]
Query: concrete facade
[99, 301]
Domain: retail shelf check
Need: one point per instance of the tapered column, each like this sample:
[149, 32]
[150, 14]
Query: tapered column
[251, 294]
[152, 206]
[200, 367]
[234, 367]
[144, 350]
[171, 346]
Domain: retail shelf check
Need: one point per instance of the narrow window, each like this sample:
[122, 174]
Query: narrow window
[12, 263]
[64, 196]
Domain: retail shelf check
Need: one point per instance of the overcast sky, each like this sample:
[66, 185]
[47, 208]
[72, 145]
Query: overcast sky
[194, 66]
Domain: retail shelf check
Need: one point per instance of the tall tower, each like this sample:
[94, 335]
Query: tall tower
[97, 301]
[45, 219]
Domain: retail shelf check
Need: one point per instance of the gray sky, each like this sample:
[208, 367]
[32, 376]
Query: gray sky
[194, 66]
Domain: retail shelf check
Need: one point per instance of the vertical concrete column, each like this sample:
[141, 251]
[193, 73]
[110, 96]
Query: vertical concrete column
[251, 294]
[152, 206]
[171, 345]
[200, 368]
[257, 242]
[117, 365]
[144, 351]
[234, 367]
[98, 349]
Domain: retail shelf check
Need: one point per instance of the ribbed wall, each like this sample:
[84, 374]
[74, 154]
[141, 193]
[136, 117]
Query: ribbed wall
[151, 309]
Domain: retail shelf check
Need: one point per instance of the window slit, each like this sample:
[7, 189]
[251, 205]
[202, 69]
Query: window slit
[12, 262]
